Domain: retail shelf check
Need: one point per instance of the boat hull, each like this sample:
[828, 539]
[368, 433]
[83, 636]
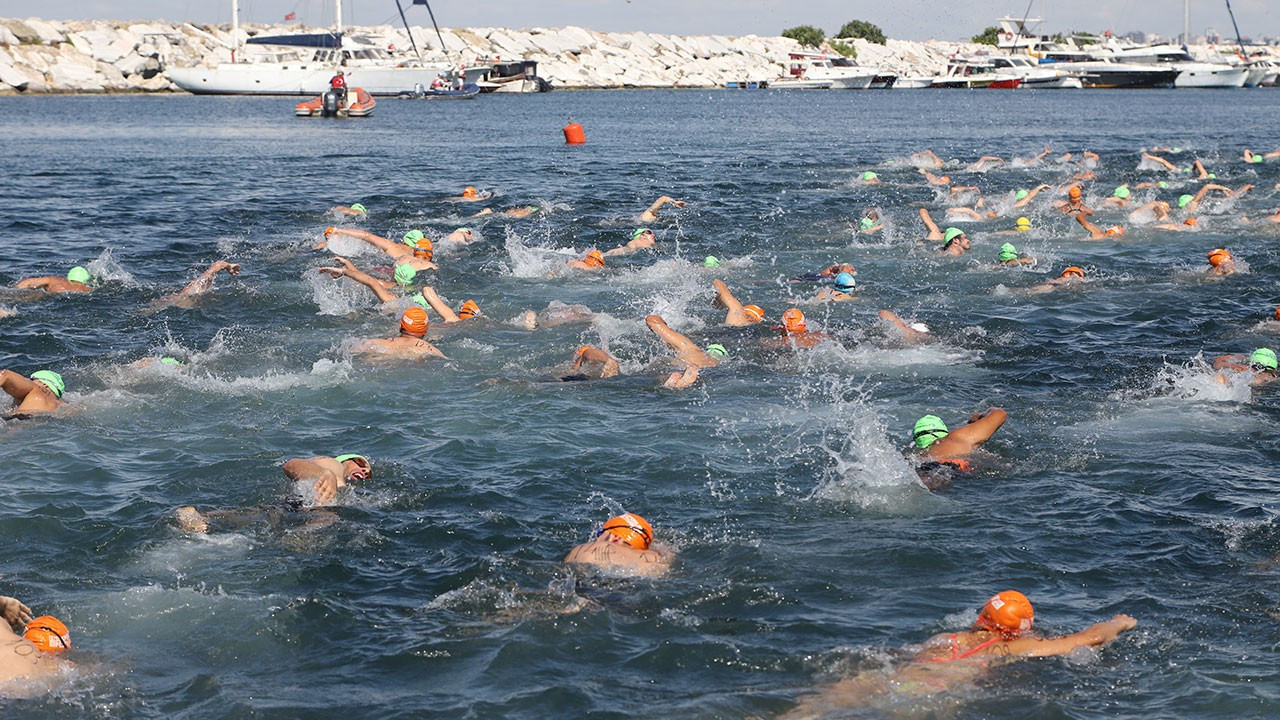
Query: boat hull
[1108, 78]
[298, 78]
[360, 104]
[1204, 75]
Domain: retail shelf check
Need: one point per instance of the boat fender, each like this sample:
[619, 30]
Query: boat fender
[574, 134]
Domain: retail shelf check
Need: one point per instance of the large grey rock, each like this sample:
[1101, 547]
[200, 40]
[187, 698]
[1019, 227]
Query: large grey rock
[75, 77]
[48, 33]
[24, 32]
[7, 37]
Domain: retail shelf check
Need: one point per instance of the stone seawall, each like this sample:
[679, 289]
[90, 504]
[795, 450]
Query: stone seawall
[48, 56]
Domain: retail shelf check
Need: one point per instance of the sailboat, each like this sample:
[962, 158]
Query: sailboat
[301, 64]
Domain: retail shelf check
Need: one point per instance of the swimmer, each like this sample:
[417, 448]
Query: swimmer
[410, 343]
[926, 159]
[1034, 159]
[1253, 157]
[935, 234]
[187, 296]
[641, 239]
[556, 313]
[795, 332]
[912, 333]
[624, 543]
[1161, 162]
[963, 213]
[1074, 204]
[1001, 634]
[406, 252]
[1119, 197]
[1072, 275]
[518, 213]
[41, 393]
[30, 662]
[831, 271]
[591, 262]
[934, 179]
[76, 281]
[687, 352]
[651, 214]
[1156, 210]
[870, 222]
[316, 482]
[380, 288]
[1021, 225]
[146, 362]
[954, 242]
[842, 290]
[462, 236]
[1022, 198]
[736, 314]
[429, 297]
[1009, 256]
[590, 362]
[470, 194]
[951, 449]
[1261, 362]
[1221, 262]
[355, 210]
[984, 163]
[1097, 233]
[869, 178]
[1191, 223]
[1190, 203]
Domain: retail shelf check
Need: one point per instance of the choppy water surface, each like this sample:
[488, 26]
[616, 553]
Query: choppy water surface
[1126, 480]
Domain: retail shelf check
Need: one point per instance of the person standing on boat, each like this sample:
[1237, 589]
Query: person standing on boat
[339, 83]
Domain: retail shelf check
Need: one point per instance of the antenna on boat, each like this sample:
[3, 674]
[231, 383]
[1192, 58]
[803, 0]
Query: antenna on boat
[1022, 26]
[443, 49]
[409, 32]
[1237, 27]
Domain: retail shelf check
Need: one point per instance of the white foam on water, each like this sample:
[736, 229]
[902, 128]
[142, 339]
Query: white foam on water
[338, 296]
[105, 268]
[191, 553]
[1197, 381]
[348, 246]
[535, 262]
[866, 468]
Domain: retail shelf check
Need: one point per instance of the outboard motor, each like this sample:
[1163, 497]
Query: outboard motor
[334, 101]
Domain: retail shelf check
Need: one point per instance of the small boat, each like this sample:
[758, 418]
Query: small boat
[357, 103]
[464, 92]
[843, 73]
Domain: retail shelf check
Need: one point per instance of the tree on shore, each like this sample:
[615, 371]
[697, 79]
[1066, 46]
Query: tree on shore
[861, 29]
[805, 35]
[986, 37]
[844, 49]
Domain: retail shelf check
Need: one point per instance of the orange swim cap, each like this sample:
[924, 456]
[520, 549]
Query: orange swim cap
[582, 349]
[630, 529]
[755, 312]
[414, 321]
[1278, 312]
[1074, 193]
[1219, 256]
[329, 230]
[424, 248]
[469, 191]
[793, 320]
[468, 310]
[1113, 230]
[1008, 614]
[1191, 221]
[1072, 270]
[595, 258]
[48, 633]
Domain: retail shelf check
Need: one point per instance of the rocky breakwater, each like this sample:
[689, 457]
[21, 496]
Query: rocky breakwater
[44, 56]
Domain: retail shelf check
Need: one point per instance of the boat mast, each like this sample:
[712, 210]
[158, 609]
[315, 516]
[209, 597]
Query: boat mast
[235, 28]
[338, 14]
[1186, 23]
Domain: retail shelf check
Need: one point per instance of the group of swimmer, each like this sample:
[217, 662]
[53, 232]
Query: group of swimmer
[626, 541]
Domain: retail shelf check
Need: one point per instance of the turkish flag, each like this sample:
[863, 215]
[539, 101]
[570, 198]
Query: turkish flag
[291, 16]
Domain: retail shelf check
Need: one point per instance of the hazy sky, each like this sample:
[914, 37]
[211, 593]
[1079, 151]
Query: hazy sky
[906, 19]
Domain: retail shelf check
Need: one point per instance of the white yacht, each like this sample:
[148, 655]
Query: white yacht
[1036, 77]
[1191, 73]
[842, 72]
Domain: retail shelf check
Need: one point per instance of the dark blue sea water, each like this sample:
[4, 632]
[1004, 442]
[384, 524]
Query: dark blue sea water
[1127, 480]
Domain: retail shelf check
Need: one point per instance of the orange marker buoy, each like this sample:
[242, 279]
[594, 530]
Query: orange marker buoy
[573, 134]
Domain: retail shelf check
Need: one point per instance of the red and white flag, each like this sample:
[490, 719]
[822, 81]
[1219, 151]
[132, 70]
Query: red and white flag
[291, 16]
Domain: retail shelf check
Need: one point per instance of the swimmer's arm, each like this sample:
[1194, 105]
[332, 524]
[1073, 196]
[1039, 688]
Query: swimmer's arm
[725, 296]
[930, 225]
[16, 385]
[204, 283]
[680, 380]
[981, 426]
[348, 269]
[375, 240]
[301, 469]
[1092, 636]
[1241, 191]
[1161, 161]
[652, 213]
[621, 250]
[1030, 195]
[36, 283]
[1095, 233]
[433, 299]
[1230, 362]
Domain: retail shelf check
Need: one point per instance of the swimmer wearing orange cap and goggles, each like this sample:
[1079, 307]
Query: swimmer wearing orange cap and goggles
[1221, 262]
[625, 543]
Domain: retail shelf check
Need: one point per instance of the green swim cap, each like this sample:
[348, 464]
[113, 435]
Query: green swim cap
[412, 237]
[929, 429]
[1008, 252]
[1213, 176]
[405, 274]
[420, 300]
[1176, 150]
[868, 176]
[951, 234]
[358, 207]
[78, 274]
[53, 380]
[1162, 184]
[1186, 170]
[1021, 194]
[1121, 192]
[717, 351]
[532, 208]
[1257, 158]
[638, 232]
[1264, 357]
[170, 361]
[866, 223]
[1184, 200]
[466, 230]
[711, 261]
[352, 456]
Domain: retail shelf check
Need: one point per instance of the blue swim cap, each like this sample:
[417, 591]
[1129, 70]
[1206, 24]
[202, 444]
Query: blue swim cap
[845, 281]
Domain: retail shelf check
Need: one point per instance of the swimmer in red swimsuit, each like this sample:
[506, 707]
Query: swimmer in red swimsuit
[947, 451]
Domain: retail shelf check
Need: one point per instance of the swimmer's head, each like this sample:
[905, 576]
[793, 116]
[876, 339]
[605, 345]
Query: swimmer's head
[1121, 192]
[1184, 199]
[845, 282]
[1072, 271]
[405, 274]
[950, 235]
[1277, 316]
[717, 351]
[928, 430]
[420, 300]
[468, 310]
[414, 321]
[1219, 256]
[1163, 185]
[868, 176]
[711, 261]
[470, 192]
[78, 274]
[360, 468]
[1256, 158]
[631, 529]
[1023, 224]
[866, 223]
[170, 361]
[1075, 192]
[1113, 231]
[1263, 359]
[756, 313]
[358, 207]
[48, 633]
[1191, 222]
[793, 320]
[424, 249]
[1008, 253]
[1008, 614]
[920, 327]
[640, 231]
[329, 230]
[1022, 193]
[412, 237]
[595, 258]
[1163, 205]
[51, 380]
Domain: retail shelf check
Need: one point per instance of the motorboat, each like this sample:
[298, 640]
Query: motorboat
[843, 73]
[800, 84]
[1035, 77]
[494, 75]
[354, 102]
[1015, 39]
[461, 92]
[1191, 72]
[974, 73]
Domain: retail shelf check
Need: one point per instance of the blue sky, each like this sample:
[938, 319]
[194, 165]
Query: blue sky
[907, 19]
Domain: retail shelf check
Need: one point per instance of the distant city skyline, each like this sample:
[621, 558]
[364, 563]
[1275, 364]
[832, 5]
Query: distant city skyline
[907, 20]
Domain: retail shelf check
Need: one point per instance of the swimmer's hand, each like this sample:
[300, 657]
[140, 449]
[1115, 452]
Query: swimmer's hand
[15, 613]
